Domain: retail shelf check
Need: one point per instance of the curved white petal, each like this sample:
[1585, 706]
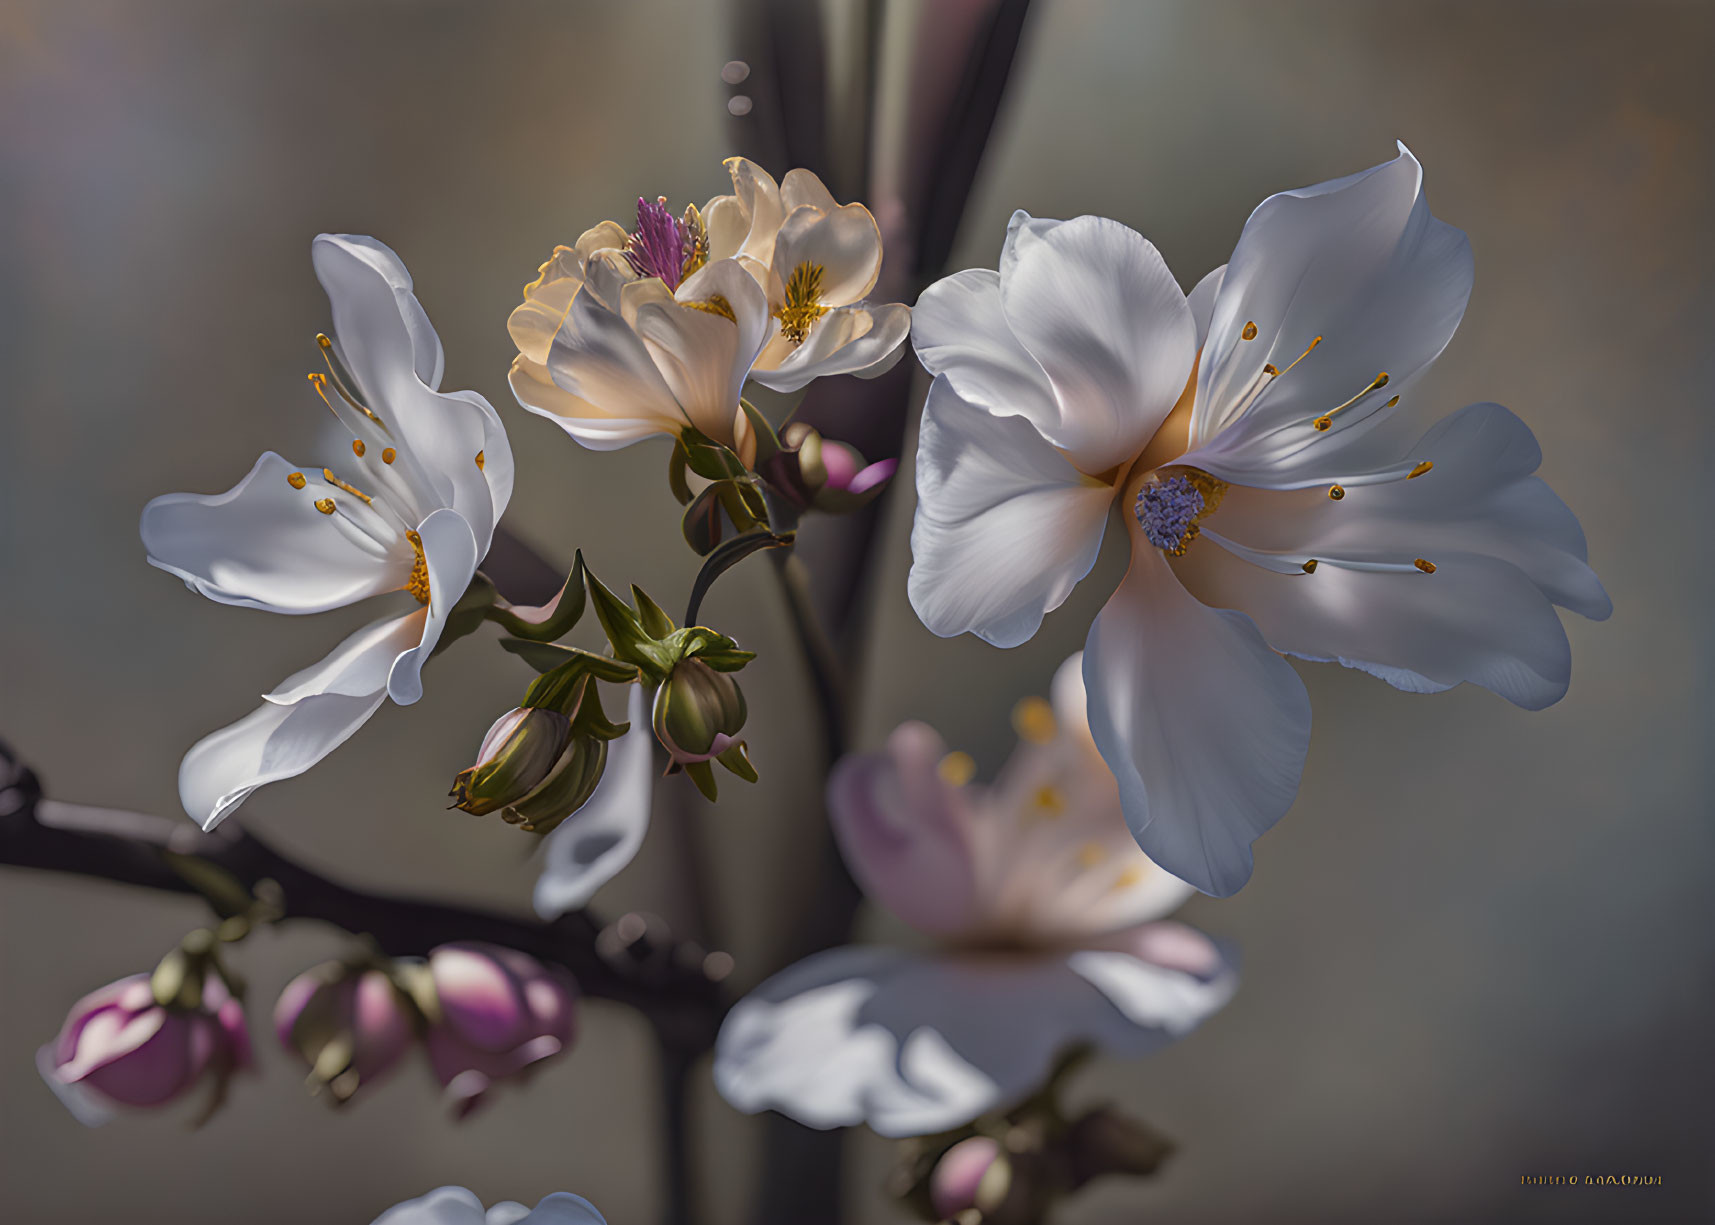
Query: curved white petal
[704, 356]
[915, 1045]
[844, 242]
[427, 358]
[263, 544]
[802, 188]
[1476, 618]
[1204, 726]
[847, 340]
[442, 1206]
[534, 323]
[283, 738]
[1358, 262]
[378, 329]
[560, 1208]
[1201, 301]
[906, 833]
[1479, 496]
[595, 428]
[592, 845]
[1005, 525]
[619, 394]
[744, 224]
[450, 551]
[1095, 304]
[960, 332]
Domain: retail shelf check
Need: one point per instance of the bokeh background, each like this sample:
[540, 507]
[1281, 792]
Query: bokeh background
[1481, 946]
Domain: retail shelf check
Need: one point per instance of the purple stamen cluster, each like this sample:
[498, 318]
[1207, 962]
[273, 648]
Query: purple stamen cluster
[657, 247]
[1168, 511]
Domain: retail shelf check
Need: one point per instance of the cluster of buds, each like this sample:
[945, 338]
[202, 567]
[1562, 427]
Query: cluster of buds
[149, 1039]
[483, 1013]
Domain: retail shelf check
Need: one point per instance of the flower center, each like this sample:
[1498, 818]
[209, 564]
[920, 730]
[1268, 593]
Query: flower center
[667, 248]
[803, 304]
[1169, 510]
[418, 583]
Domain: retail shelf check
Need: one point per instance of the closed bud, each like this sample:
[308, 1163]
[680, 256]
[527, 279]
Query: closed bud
[698, 711]
[516, 757]
[569, 784]
[351, 1024]
[974, 1174]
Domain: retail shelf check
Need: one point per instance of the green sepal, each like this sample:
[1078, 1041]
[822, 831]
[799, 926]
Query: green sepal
[468, 614]
[545, 622]
[745, 505]
[708, 458]
[655, 622]
[561, 690]
[592, 720]
[176, 981]
[546, 656]
[702, 774]
[768, 443]
[677, 462]
[737, 760]
[625, 632]
[701, 642]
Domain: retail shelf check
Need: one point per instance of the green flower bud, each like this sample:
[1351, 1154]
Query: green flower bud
[568, 786]
[698, 711]
[519, 753]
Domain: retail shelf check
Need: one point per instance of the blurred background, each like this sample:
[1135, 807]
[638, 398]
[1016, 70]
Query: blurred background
[1481, 946]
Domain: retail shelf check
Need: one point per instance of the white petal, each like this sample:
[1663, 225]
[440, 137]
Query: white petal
[534, 389]
[960, 331]
[263, 544]
[1155, 998]
[442, 1206]
[703, 356]
[620, 395]
[591, 847]
[562, 1208]
[844, 243]
[1480, 496]
[1095, 304]
[1359, 262]
[426, 357]
[1005, 525]
[847, 340]
[1201, 301]
[1204, 726]
[450, 551]
[758, 211]
[281, 739]
[912, 1046]
[376, 336]
[801, 188]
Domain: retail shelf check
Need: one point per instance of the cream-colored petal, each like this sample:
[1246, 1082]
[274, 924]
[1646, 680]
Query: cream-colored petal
[845, 244]
[801, 188]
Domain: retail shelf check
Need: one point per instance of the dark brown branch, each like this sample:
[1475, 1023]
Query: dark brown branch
[665, 981]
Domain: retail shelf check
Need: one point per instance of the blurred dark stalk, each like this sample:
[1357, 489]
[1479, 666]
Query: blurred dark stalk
[916, 179]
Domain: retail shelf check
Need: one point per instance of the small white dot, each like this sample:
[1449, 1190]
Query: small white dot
[739, 105]
[734, 71]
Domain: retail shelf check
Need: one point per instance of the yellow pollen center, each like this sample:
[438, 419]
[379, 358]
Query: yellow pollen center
[803, 304]
[1049, 801]
[296, 480]
[418, 583]
[1033, 720]
[716, 305]
[480, 460]
[957, 768]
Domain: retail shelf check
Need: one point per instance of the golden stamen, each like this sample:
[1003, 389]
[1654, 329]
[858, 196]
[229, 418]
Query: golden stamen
[803, 305]
[418, 583]
[1033, 720]
[1049, 800]
[957, 768]
[1418, 471]
[1249, 333]
[353, 490]
[1310, 566]
[1131, 876]
[357, 447]
[1428, 567]
[325, 505]
[345, 392]
[716, 305]
[296, 480]
[479, 461]
[1380, 381]
[1269, 368]
[388, 455]
[1335, 493]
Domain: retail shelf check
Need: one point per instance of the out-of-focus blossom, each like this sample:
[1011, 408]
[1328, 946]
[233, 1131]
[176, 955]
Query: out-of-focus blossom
[818, 473]
[120, 1048]
[1255, 436]
[1049, 923]
[639, 332]
[974, 1173]
[497, 1014]
[818, 260]
[351, 1025]
[457, 1206]
[430, 475]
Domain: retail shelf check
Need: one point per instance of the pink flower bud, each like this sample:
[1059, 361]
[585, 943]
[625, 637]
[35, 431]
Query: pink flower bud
[118, 1047]
[501, 1013]
[350, 1024]
[971, 1174]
